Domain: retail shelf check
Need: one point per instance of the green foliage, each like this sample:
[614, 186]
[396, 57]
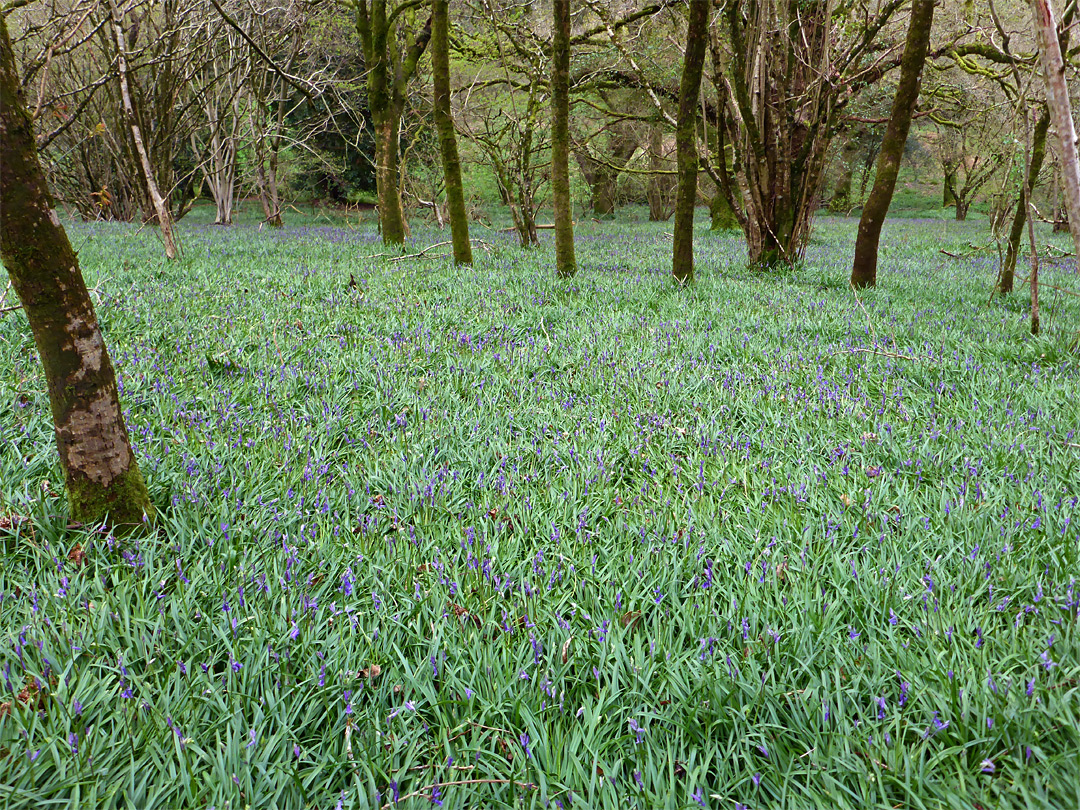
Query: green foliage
[620, 543]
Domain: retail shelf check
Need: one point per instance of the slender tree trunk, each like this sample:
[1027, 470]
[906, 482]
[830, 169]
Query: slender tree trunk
[962, 209]
[682, 262]
[565, 261]
[864, 269]
[1016, 233]
[161, 207]
[1057, 99]
[272, 192]
[102, 477]
[444, 121]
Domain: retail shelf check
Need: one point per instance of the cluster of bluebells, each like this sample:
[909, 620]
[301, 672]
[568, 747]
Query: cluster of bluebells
[554, 517]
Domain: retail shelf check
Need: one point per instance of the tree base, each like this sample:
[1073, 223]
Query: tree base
[123, 505]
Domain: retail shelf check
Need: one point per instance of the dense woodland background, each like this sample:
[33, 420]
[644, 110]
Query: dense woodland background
[271, 110]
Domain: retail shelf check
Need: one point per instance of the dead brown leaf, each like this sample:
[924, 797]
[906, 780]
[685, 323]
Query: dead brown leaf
[370, 673]
[77, 555]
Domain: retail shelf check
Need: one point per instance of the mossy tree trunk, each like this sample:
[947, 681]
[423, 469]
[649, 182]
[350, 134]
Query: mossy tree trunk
[1016, 232]
[864, 268]
[102, 477]
[686, 155]
[948, 188]
[444, 121]
[388, 74]
[721, 214]
[565, 261]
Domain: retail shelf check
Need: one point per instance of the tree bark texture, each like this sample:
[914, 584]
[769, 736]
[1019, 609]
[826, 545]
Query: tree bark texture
[565, 261]
[1016, 232]
[864, 268]
[101, 474]
[444, 121]
[1057, 99]
[682, 259]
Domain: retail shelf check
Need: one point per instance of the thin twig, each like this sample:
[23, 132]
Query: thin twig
[544, 330]
[481, 242]
[875, 351]
[426, 791]
[421, 253]
[538, 227]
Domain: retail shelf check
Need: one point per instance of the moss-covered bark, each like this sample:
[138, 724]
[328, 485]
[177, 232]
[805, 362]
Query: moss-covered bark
[565, 260]
[389, 71]
[444, 121]
[388, 176]
[720, 212]
[102, 477]
[948, 188]
[686, 155]
[864, 267]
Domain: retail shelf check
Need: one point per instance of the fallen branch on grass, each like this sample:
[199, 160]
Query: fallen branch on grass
[538, 227]
[423, 253]
[427, 791]
[877, 352]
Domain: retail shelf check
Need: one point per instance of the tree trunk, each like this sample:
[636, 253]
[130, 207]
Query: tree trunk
[444, 121]
[864, 268]
[388, 187]
[604, 189]
[1057, 99]
[161, 208]
[723, 218]
[962, 209]
[101, 474]
[780, 121]
[388, 75]
[1016, 233]
[565, 261]
[682, 261]
[840, 201]
[948, 194]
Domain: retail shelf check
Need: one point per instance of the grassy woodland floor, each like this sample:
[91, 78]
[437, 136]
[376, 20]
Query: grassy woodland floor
[604, 542]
